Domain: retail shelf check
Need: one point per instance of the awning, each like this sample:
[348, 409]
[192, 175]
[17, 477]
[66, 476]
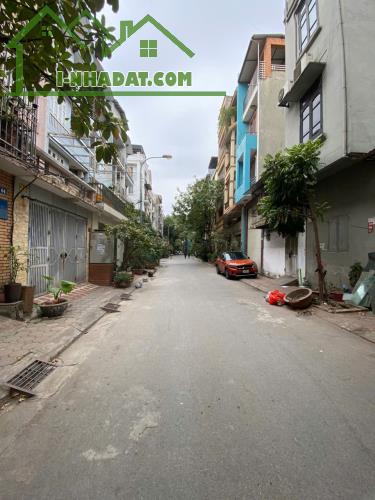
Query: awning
[303, 83]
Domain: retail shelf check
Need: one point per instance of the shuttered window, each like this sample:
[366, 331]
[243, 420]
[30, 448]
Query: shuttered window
[338, 234]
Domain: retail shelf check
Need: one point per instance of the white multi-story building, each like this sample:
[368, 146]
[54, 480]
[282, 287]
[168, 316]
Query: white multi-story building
[69, 201]
[329, 91]
[116, 176]
[259, 131]
[140, 192]
[157, 213]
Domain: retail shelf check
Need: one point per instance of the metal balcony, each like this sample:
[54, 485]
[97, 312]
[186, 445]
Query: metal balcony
[18, 119]
[260, 73]
[107, 196]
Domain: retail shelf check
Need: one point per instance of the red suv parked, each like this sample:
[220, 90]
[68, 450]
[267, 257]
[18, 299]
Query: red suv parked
[235, 265]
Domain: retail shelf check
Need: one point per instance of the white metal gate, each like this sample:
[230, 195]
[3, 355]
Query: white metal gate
[57, 245]
[291, 255]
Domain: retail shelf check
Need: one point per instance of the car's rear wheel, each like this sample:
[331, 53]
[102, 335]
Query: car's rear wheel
[218, 270]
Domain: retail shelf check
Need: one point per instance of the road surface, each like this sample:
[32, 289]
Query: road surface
[198, 389]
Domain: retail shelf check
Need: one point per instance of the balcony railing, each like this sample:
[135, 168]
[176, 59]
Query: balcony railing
[76, 149]
[18, 119]
[278, 67]
[260, 74]
[253, 85]
[107, 196]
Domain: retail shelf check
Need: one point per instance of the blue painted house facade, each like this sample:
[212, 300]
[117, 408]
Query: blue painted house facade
[260, 128]
[245, 148]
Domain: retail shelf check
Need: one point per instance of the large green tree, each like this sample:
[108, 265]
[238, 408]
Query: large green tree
[195, 209]
[290, 179]
[42, 55]
[142, 245]
[174, 233]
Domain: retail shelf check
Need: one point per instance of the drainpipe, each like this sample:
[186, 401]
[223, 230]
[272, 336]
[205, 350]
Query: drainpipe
[258, 117]
[344, 77]
[244, 229]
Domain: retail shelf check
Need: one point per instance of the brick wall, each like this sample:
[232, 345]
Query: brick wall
[6, 182]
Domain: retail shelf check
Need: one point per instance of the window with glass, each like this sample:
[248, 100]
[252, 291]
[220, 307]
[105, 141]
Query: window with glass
[311, 114]
[235, 256]
[307, 22]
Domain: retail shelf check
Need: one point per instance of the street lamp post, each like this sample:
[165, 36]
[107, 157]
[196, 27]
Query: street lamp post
[163, 157]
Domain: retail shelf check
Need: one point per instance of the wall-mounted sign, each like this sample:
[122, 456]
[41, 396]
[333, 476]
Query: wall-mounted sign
[370, 225]
[4, 209]
[3, 190]
[100, 248]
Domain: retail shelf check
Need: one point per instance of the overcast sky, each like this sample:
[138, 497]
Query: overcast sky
[218, 31]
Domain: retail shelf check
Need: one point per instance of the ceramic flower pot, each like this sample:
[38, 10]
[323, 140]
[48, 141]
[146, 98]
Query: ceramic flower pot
[122, 284]
[52, 310]
[12, 292]
[28, 298]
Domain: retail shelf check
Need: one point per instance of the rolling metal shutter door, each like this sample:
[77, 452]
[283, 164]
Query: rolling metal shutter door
[38, 245]
[57, 245]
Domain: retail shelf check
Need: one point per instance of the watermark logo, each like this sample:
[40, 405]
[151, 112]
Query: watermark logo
[115, 83]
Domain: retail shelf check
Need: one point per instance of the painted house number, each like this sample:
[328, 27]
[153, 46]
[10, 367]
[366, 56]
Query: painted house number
[3, 190]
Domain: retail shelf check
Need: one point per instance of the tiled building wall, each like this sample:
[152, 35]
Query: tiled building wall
[20, 235]
[6, 194]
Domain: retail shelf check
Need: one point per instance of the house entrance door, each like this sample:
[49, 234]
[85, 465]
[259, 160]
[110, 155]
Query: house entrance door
[291, 255]
[57, 246]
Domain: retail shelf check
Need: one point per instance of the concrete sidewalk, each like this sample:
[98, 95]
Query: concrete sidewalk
[45, 338]
[359, 323]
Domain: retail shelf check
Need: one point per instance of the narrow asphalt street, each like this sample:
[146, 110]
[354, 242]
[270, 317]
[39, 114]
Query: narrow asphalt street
[198, 389]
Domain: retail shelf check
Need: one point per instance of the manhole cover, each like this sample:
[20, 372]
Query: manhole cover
[25, 381]
[110, 307]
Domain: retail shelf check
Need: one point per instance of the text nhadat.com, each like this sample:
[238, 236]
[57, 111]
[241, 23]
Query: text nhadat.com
[119, 79]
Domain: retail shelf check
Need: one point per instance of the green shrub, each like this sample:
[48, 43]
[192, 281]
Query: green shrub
[122, 277]
[64, 287]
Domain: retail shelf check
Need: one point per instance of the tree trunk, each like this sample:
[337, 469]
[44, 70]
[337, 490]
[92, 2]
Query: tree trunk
[125, 256]
[318, 255]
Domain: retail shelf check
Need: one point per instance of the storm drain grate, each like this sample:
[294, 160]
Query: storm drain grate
[126, 296]
[30, 377]
[111, 307]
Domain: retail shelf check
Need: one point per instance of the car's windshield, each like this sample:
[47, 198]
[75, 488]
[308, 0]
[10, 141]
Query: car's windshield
[235, 255]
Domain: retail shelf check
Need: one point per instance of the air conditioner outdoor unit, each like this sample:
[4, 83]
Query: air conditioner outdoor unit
[302, 65]
[283, 92]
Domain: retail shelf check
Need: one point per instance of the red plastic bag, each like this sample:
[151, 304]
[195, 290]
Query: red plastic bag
[276, 298]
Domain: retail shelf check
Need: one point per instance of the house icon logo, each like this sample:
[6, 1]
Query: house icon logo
[46, 22]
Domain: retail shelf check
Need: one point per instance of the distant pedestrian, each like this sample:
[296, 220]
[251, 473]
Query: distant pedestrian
[186, 248]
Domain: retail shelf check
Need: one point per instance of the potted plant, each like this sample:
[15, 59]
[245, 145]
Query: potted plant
[334, 293]
[137, 264]
[137, 271]
[57, 306]
[122, 279]
[13, 290]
